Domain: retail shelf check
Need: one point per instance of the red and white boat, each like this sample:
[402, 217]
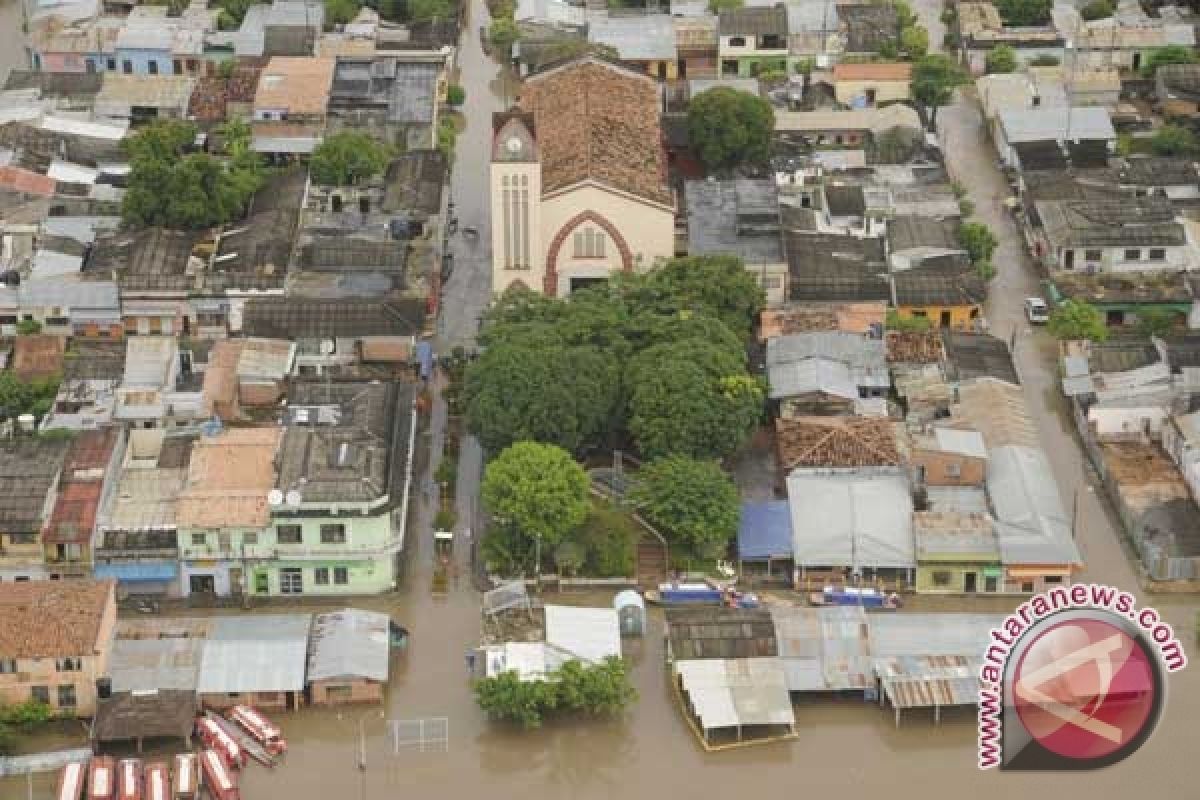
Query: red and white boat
[214, 736]
[187, 779]
[219, 779]
[260, 728]
[158, 781]
[129, 779]
[70, 781]
[102, 778]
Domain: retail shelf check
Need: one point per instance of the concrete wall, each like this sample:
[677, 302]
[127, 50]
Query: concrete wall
[140, 61]
[269, 701]
[961, 317]
[957, 579]
[1147, 419]
[1113, 259]
[344, 692]
[949, 469]
[885, 91]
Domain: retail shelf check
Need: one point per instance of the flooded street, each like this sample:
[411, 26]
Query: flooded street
[846, 748]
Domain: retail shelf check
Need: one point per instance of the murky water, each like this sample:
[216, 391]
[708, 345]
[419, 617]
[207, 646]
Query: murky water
[846, 748]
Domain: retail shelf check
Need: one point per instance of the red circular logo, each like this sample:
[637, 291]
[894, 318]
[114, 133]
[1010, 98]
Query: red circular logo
[1084, 689]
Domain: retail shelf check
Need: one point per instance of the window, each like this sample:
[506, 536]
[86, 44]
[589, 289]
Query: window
[772, 281]
[66, 695]
[589, 243]
[288, 534]
[111, 65]
[250, 538]
[1027, 587]
[1052, 579]
[152, 67]
[942, 578]
[68, 665]
[341, 576]
[199, 539]
[737, 41]
[953, 470]
[40, 694]
[338, 693]
[321, 576]
[1092, 255]
[177, 65]
[333, 534]
[127, 66]
[8, 666]
[22, 538]
[1133, 255]
[291, 580]
[1158, 254]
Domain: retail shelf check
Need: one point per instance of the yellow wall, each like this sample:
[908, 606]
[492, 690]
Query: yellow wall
[960, 316]
[885, 91]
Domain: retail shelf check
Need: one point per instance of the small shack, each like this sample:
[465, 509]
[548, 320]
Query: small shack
[765, 536]
[348, 657]
[631, 612]
[144, 715]
[256, 659]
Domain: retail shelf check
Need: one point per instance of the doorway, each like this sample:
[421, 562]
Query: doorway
[202, 584]
[969, 583]
[945, 319]
[989, 583]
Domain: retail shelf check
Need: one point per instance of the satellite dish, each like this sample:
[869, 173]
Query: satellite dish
[274, 498]
[327, 347]
[292, 498]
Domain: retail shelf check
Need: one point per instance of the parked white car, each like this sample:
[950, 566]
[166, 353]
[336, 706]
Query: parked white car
[1036, 311]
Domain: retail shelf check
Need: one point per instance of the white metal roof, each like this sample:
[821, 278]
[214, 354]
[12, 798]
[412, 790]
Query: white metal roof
[592, 634]
[967, 443]
[1057, 124]
[113, 130]
[255, 653]
[349, 643]
[851, 518]
[725, 693]
[1032, 526]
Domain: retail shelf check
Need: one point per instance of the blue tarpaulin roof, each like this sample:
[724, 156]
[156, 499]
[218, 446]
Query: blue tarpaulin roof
[425, 358]
[133, 573]
[765, 531]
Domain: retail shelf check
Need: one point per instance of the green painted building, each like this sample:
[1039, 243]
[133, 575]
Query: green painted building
[957, 553]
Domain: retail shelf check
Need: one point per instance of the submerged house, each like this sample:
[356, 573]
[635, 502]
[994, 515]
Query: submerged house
[348, 657]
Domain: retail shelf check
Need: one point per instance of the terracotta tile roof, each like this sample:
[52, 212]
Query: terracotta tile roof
[38, 356]
[220, 379]
[847, 317]
[891, 71]
[300, 85]
[836, 442]
[74, 514]
[90, 451]
[22, 180]
[228, 479]
[598, 121]
[51, 619]
[915, 347]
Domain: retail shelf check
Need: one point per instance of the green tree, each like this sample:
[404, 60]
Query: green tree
[934, 79]
[691, 398]
[22, 718]
[1171, 54]
[1001, 59]
[1173, 140]
[1075, 319]
[502, 34]
[565, 396]
[506, 697]
[1155, 321]
[691, 502]
[348, 158]
[28, 327]
[425, 10]
[978, 240]
[1024, 13]
[232, 13]
[717, 6]
[1097, 9]
[608, 537]
[537, 491]
[456, 95]
[600, 689]
[720, 286]
[914, 42]
[339, 12]
[728, 128]
[895, 322]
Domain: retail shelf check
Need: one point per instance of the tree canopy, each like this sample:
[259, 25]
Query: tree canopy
[934, 79]
[1171, 54]
[691, 502]
[1001, 59]
[1024, 13]
[339, 12]
[978, 240]
[348, 158]
[19, 396]
[176, 189]
[536, 491]
[1174, 140]
[602, 689]
[1075, 319]
[425, 10]
[1097, 9]
[727, 128]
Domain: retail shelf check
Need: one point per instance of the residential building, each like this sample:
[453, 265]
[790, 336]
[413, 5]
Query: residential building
[159, 387]
[1177, 89]
[55, 642]
[865, 85]
[86, 398]
[291, 104]
[825, 372]
[645, 42]
[396, 98]
[144, 97]
[843, 128]
[696, 46]
[860, 318]
[957, 553]
[256, 660]
[559, 221]
[1176, 178]
[338, 515]
[1065, 126]
[836, 442]
[1119, 388]
[866, 29]
[348, 657]
[283, 28]
[78, 308]
[89, 471]
[29, 475]
[223, 511]
[1181, 441]
[752, 40]
[949, 457]
[77, 46]
[1127, 38]
[1129, 235]
[136, 540]
[152, 42]
[739, 218]
[980, 30]
[1121, 296]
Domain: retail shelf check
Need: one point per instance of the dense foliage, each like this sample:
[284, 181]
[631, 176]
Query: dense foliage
[1024, 13]
[536, 491]
[693, 503]
[171, 187]
[608, 541]
[1172, 54]
[339, 12]
[1097, 9]
[1174, 140]
[348, 158]
[658, 356]
[978, 240]
[934, 79]
[1001, 59]
[597, 690]
[19, 396]
[895, 322]
[21, 718]
[728, 128]
[502, 33]
[1074, 319]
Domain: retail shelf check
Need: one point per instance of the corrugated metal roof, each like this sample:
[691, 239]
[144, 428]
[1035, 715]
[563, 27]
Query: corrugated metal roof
[1033, 526]
[823, 649]
[149, 664]
[924, 681]
[851, 518]
[349, 643]
[255, 653]
[1044, 124]
[736, 692]
[765, 531]
[963, 442]
[591, 634]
